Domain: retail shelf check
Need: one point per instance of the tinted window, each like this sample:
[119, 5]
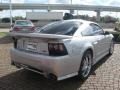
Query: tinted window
[97, 29]
[23, 23]
[61, 27]
[88, 31]
[93, 29]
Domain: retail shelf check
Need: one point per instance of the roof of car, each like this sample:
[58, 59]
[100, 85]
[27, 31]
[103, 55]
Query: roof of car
[80, 20]
[22, 20]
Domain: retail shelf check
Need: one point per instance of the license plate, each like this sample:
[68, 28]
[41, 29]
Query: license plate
[32, 46]
[24, 29]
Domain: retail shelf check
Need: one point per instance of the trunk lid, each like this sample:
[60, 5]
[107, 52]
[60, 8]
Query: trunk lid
[23, 29]
[37, 43]
[39, 35]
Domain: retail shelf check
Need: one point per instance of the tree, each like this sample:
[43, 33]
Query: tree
[5, 20]
[105, 19]
[108, 19]
[18, 18]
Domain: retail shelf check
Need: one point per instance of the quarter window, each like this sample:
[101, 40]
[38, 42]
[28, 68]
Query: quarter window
[93, 29]
[97, 29]
[88, 31]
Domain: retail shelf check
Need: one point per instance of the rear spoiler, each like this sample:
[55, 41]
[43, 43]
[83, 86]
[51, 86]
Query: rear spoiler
[39, 35]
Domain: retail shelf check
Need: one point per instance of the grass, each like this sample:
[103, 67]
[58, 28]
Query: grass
[2, 34]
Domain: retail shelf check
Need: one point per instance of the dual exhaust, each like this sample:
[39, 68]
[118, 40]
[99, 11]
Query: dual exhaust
[23, 66]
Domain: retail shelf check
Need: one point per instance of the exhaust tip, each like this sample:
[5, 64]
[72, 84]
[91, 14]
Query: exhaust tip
[12, 63]
[16, 64]
[52, 77]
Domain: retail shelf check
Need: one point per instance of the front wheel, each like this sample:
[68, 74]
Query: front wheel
[85, 66]
[111, 50]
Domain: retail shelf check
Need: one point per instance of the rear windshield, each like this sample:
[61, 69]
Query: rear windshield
[23, 23]
[61, 28]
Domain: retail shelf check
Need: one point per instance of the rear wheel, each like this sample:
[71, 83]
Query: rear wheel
[85, 66]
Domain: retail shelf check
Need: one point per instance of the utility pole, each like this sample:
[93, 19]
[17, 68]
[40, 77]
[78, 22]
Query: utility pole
[71, 2]
[71, 11]
[10, 13]
[48, 6]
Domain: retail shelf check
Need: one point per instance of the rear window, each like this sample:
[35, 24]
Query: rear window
[23, 23]
[61, 28]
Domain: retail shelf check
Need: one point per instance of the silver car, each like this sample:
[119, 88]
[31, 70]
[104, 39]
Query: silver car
[23, 26]
[62, 49]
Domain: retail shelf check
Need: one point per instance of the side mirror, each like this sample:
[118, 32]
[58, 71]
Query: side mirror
[106, 33]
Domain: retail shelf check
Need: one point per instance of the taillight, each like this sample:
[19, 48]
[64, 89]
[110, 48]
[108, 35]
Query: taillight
[32, 28]
[16, 29]
[57, 49]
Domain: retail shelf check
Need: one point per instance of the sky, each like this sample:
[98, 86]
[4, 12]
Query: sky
[5, 13]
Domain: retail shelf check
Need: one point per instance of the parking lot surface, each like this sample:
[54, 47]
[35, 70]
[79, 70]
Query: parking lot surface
[105, 75]
[4, 29]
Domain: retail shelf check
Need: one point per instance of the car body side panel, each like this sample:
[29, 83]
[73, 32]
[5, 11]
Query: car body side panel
[76, 47]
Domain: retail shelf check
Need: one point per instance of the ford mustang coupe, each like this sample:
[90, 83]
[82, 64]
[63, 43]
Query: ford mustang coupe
[62, 49]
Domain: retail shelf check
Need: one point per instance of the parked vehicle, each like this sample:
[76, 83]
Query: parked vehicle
[23, 26]
[62, 49]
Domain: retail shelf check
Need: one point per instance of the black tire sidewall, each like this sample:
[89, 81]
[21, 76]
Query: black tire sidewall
[80, 70]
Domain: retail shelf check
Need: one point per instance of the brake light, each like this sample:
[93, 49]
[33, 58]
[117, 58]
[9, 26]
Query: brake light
[57, 49]
[33, 28]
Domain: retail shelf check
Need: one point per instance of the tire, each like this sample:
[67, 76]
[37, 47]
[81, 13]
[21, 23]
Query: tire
[111, 49]
[85, 66]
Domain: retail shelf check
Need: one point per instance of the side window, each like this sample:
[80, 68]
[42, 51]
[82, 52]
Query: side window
[88, 31]
[97, 29]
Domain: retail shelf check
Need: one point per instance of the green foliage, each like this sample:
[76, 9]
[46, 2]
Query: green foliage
[3, 34]
[18, 18]
[84, 17]
[116, 36]
[108, 19]
[6, 20]
[105, 19]
[0, 20]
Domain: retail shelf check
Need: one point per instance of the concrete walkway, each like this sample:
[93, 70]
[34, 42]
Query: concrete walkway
[4, 29]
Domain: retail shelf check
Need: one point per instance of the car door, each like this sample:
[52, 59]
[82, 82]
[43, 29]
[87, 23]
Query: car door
[91, 34]
[102, 40]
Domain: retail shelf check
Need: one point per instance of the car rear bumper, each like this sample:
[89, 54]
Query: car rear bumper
[58, 66]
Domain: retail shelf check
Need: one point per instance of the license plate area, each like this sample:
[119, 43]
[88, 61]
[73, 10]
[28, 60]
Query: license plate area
[31, 46]
[24, 29]
[34, 45]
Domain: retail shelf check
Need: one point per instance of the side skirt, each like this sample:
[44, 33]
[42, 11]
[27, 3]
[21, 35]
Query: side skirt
[100, 57]
[67, 76]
